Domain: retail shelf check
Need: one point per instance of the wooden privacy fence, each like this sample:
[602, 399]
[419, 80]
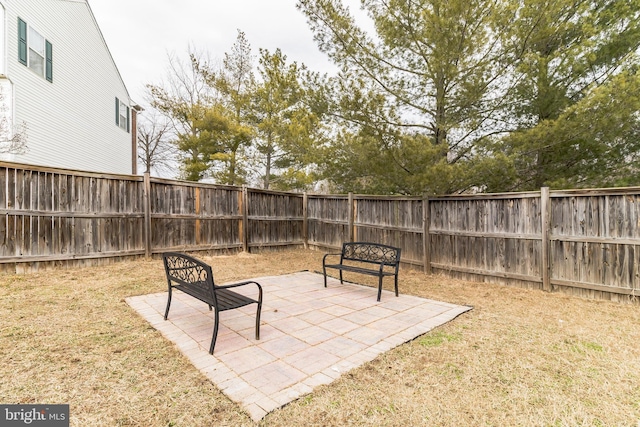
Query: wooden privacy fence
[585, 242]
[54, 216]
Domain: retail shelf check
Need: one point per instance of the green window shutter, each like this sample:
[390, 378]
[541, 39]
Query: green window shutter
[128, 120]
[49, 60]
[117, 111]
[22, 41]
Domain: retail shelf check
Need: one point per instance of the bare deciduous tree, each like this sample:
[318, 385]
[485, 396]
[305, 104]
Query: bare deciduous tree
[13, 139]
[156, 151]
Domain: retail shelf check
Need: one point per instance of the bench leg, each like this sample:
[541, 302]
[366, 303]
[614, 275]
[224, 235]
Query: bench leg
[379, 287]
[324, 272]
[341, 277]
[258, 320]
[215, 333]
[166, 311]
[396, 284]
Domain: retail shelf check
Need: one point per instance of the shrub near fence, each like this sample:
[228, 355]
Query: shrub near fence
[585, 242]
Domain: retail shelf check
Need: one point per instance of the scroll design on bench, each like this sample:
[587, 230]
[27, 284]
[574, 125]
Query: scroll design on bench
[373, 253]
[195, 278]
[386, 258]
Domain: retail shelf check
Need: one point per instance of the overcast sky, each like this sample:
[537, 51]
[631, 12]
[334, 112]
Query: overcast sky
[140, 33]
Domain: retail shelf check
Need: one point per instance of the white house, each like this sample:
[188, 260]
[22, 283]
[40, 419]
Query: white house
[61, 89]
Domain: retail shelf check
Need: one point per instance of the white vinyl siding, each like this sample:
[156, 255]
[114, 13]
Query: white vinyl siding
[70, 123]
[2, 40]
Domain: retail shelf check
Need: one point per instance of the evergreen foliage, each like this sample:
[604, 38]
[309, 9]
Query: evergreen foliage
[431, 97]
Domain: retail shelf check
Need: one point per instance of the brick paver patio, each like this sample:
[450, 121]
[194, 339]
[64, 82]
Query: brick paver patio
[309, 335]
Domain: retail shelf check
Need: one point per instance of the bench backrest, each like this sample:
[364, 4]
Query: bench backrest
[371, 252]
[194, 275]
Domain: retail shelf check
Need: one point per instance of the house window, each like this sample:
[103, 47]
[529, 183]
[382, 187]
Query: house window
[35, 51]
[122, 115]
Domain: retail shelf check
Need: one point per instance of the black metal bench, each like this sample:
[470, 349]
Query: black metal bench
[195, 278]
[361, 256]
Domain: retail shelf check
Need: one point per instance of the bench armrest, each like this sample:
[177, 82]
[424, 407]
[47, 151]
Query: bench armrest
[248, 282]
[328, 255]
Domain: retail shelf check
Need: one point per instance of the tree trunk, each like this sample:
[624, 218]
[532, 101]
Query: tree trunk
[440, 131]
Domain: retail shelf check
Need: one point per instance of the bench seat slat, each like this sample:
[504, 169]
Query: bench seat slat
[228, 300]
[196, 291]
[360, 270]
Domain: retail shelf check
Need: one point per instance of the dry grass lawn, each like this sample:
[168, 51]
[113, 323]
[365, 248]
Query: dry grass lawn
[519, 358]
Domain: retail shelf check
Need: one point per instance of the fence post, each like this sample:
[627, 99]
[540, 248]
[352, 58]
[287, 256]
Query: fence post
[305, 223]
[245, 219]
[426, 241]
[197, 211]
[545, 218]
[351, 215]
[146, 206]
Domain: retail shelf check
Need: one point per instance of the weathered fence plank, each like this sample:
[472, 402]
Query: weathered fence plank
[275, 219]
[488, 238]
[595, 242]
[328, 221]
